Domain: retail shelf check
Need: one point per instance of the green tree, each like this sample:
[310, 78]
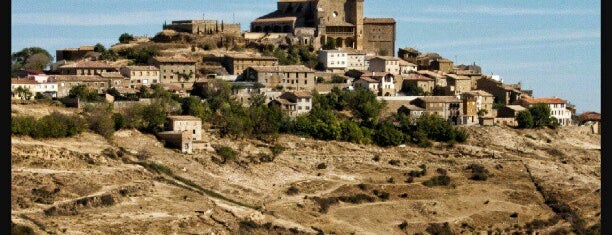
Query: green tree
[386, 134]
[99, 48]
[100, 120]
[363, 104]
[524, 119]
[411, 88]
[23, 93]
[126, 38]
[84, 93]
[23, 55]
[194, 106]
[541, 115]
[22, 125]
[109, 55]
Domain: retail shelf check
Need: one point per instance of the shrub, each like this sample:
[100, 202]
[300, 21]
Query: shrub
[277, 149]
[440, 180]
[410, 179]
[439, 229]
[356, 199]
[22, 125]
[524, 119]
[227, 153]
[390, 180]
[57, 125]
[441, 171]
[376, 157]
[394, 162]
[479, 172]
[292, 190]
[321, 166]
[362, 187]
[403, 225]
[380, 194]
[119, 121]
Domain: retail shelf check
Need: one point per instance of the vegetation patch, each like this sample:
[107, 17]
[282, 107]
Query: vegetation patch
[439, 229]
[479, 172]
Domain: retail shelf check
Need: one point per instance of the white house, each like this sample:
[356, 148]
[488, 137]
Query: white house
[335, 61]
[356, 60]
[382, 84]
[294, 103]
[47, 87]
[558, 109]
[406, 67]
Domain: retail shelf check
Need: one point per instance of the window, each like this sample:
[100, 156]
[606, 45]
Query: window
[307, 107]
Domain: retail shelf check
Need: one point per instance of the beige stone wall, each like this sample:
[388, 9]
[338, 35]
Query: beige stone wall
[379, 37]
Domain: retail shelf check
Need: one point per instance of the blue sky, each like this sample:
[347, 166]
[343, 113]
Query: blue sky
[551, 46]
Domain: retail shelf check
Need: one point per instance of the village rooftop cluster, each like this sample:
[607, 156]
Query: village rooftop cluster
[351, 51]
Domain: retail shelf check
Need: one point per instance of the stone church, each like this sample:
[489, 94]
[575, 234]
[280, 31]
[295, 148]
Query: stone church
[318, 21]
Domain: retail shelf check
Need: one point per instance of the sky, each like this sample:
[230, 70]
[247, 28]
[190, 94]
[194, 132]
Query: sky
[552, 47]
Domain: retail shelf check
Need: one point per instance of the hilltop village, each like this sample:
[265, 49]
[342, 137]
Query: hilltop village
[300, 50]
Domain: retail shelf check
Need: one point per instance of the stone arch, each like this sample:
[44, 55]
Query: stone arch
[387, 94]
[257, 28]
[350, 42]
[339, 42]
[277, 29]
[286, 29]
[267, 29]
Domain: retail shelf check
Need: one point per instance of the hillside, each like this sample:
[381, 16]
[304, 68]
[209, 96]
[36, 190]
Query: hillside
[88, 185]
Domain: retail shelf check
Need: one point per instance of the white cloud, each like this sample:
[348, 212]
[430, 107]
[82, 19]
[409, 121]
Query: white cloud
[507, 11]
[124, 18]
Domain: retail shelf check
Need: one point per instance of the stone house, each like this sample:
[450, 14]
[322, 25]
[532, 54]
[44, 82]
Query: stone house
[410, 110]
[473, 102]
[385, 64]
[183, 140]
[87, 68]
[98, 83]
[178, 71]
[294, 103]
[73, 54]
[505, 94]
[457, 84]
[408, 54]
[189, 124]
[235, 64]
[441, 64]
[141, 75]
[425, 83]
[438, 77]
[448, 108]
[355, 60]
[283, 77]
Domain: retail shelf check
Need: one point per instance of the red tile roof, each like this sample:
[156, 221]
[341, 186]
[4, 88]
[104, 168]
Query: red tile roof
[554, 100]
[589, 116]
[22, 81]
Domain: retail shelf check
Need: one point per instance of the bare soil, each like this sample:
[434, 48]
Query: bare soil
[89, 185]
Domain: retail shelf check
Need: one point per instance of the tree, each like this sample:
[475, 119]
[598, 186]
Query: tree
[363, 104]
[109, 55]
[193, 106]
[38, 61]
[30, 58]
[99, 48]
[482, 112]
[411, 88]
[126, 38]
[541, 115]
[524, 119]
[23, 93]
[84, 93]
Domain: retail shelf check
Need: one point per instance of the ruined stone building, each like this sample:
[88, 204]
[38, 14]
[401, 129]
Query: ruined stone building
[339, 20]
[203, 27]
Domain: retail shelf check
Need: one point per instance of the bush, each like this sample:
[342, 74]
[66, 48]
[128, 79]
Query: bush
[394, 162]
[292, 190]
[22, 125]
[321, 166]
[382, 195]
[119, 121]
[57, 125]
[227, 153]
[479, 172]
[277, 149]
[403, 225]
[126, 38]
[440, 180]
[524, 119]
[439, 229]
